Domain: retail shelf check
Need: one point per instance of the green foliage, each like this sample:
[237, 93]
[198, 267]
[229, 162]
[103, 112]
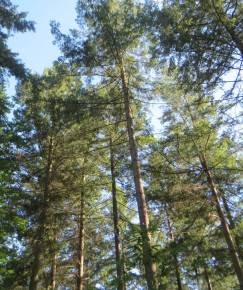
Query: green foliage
[202, 39]
[55, 152]
[11, 21]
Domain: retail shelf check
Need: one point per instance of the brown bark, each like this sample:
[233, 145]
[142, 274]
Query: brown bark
[38, 246]
[232, 225]
[176, 264]
[118, 248]
[227, 210]
[197, 277]
[149, 265]
[53, 268]
[225, 227]
[207, 279]
[35, 267]
[80, 277]
[226, 231]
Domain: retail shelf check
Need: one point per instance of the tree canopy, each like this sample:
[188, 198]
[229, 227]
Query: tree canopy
[92, 196]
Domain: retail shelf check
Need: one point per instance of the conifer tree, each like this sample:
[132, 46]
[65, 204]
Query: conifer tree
[203, 40]
[11, 21]
[112, 33]
[193, 129]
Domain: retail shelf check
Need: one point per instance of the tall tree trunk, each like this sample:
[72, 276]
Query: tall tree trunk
[226, 231]
[232, 225]
[38, 247]
[53, 272]
[149, 265]
[227, 210]
[176, 264]
[53, 265]
[119, 260]
[80, 277]
[197, 278]
[207, 278]
[35, 266]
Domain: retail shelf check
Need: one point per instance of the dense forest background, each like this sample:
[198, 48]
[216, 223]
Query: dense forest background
[91, 197]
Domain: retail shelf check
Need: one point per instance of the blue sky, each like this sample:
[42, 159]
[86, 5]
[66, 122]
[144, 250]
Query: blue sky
[36, 49]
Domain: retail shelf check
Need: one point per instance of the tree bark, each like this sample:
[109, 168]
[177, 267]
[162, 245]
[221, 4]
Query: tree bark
[80, 277]
[197, 278]
[35, 267]
[149, 265]
[226, 231]
[176, 264]
[118, 248]
[207, 278]
[232, 225]
[53, 267]
[38, 246]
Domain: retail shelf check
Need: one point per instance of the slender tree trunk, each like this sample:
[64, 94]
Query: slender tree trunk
[53, 266]
[53, 273]
[178, 276]
[80, 278]
[149, 265]
[35, 267]
[232, 225]
[38, 247]
[123, 263]
[207, 278]
[119, 261]
[228, 213]
[197, 278]
[176, 264]
[226, 231]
